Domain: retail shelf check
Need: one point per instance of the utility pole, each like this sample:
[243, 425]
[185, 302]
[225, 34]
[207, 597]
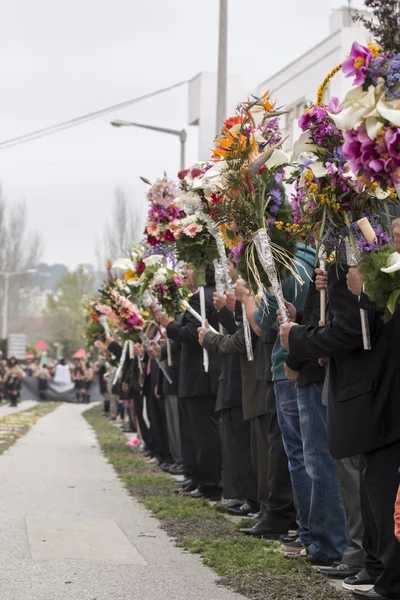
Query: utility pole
[222, 65]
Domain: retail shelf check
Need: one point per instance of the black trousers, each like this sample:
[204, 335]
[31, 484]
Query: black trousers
[204, 429]
[158, 429]
[144, 430]
[270, 464]
[187, 441]
[380, 477]
[238, 477]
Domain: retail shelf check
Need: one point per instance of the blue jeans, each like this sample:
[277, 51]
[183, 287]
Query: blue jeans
[327, 519]
[289, 422]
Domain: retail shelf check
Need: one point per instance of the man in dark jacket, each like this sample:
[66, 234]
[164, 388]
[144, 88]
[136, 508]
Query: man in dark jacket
[327, 521]
[363, 410]
[198, 389]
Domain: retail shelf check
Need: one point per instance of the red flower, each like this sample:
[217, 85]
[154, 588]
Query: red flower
[96, 319]
[196, 172]
[169, 236]
[141, 267]
[216, 198]
[152, 240]
[182, 174]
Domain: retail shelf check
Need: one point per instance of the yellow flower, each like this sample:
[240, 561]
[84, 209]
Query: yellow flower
[322, 88]
[375, 50]
[230, 238]
[128, 275]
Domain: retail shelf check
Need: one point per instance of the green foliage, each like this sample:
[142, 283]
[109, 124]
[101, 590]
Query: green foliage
[65, 318]
[380, 287]
[200, 251]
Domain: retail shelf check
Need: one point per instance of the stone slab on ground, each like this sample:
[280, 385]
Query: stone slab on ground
[57, 474]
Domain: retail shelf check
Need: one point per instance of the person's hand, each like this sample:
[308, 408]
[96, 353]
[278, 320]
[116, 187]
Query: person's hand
[292, 312]
[219, 301]
[155, 350]
[291, 374]
[284, 332]
[241, 290]
[396, 234]
[230, 298]
[125, 387]
[354, 281]
[202, 332]
[156, 310]
[156, 392]
[138, 350]
[321, 281]
[322, 362]
[165, 319]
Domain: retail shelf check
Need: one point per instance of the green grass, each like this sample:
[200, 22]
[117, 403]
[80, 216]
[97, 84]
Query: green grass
[254, 567]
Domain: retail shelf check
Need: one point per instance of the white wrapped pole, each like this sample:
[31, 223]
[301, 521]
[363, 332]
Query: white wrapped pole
[352, 262]
[121, 361]
[206, 361]
[229, 285]
[104, 322]
[322, 294]
[264, 251]
[196, 315]
[147, 301]
[219, 285]
[147, 345]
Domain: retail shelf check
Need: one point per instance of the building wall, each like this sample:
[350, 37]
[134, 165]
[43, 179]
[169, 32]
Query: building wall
[296, 85]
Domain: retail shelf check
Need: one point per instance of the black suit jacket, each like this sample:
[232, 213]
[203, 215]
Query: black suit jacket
[173, 370]
[193, 380]
[364, 385]
[230, 381]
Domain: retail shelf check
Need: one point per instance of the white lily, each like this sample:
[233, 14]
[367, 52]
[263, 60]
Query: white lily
[277, 159]
[388, 109]
[304, 144]
[393, 263]
[357, 106]
[125, 264]
[152, 260]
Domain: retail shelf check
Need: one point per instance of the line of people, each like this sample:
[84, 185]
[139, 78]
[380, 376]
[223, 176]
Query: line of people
[306, 436]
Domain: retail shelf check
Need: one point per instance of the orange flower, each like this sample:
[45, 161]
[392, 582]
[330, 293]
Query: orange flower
[232, 143]
[264, 103]
[229, 123]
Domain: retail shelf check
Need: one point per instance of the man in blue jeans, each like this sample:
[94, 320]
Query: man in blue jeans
[327, 519]
[262, 319]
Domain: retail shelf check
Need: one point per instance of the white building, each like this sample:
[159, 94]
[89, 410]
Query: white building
[295, 86]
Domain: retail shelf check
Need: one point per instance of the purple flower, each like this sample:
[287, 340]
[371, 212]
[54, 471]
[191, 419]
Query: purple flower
[358, 63]
[334, 106]
[392, 140]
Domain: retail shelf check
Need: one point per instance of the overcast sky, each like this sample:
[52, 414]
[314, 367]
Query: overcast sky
[64, 58]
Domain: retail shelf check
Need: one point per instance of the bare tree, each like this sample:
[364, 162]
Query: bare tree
[20, 249]
[126, 226]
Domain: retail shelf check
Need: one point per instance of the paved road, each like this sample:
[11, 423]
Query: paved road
[70, 531]
[9, 410]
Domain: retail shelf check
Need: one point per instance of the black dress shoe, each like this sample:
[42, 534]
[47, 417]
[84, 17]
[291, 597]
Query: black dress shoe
[260, 530]
[188, 489]
[165, 466]
[176, 469]
[242, 511]
[372, 595]
[289, 538]
[341, 571]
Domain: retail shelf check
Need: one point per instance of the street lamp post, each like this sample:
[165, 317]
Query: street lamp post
[182, 134]
[222, 65]
[5, 299]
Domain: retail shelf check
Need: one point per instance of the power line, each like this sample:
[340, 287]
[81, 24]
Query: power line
[34, 135]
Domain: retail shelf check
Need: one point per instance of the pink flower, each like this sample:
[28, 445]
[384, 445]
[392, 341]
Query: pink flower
[153, 229]
[177, 280]
[357, 63]
[196, 172]
[192, 230]
[182, 174]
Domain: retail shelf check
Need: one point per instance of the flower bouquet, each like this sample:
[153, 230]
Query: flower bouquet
[249, 171]
[379, 267]
[166, 287]
[163, 212]
[327, 196]
[370, 118]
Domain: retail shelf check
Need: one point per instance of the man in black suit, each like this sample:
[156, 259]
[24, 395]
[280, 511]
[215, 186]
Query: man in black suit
[198, 388]
[363, 411]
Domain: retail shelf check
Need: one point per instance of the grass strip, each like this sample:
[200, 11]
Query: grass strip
[15, 426]
[252, 567]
